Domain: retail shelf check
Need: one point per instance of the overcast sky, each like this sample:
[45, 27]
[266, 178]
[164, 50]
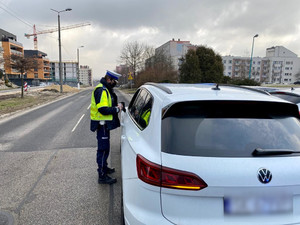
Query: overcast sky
[227, 26]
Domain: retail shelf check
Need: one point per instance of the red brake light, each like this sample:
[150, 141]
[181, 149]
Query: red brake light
[157, 175]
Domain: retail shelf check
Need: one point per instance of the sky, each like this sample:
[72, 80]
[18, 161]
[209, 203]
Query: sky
[226, 26]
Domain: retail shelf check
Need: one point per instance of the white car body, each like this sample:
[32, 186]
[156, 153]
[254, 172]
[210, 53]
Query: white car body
[232, 182]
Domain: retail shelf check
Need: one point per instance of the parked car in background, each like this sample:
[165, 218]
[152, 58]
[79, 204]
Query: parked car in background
[209, 154]
[289, 96]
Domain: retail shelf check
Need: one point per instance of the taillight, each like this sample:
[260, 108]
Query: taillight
[157, 175]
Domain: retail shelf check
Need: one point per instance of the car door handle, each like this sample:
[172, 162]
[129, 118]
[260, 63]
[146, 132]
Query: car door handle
[123, 137]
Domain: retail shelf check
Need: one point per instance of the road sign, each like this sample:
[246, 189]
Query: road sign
[130, 77]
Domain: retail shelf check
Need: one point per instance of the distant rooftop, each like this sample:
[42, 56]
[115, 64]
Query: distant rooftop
[4, 34]
[35, 53]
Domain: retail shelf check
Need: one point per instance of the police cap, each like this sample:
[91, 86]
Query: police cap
[113, 75]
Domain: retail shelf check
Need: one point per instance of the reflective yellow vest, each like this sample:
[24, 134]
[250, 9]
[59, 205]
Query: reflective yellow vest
[145, 116]
[105, 101]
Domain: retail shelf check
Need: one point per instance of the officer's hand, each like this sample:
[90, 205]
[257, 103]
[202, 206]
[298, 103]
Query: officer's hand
[120, 106]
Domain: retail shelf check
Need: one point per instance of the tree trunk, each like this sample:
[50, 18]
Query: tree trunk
[22, 89]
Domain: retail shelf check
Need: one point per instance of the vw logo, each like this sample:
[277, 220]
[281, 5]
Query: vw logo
[264, 175]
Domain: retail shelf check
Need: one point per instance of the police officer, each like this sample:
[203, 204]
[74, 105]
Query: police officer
[104, 117]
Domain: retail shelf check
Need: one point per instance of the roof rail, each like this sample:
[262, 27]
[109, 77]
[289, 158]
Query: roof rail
[247, 88]
[161, 87]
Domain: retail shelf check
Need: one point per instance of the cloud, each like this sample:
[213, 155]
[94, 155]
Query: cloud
[226, 26]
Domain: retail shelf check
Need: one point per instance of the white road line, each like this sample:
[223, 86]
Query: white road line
[78, 123]
[89, 107]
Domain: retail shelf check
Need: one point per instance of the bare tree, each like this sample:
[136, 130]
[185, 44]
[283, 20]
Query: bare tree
[1, 71]
[159, 68]
[22, 65]
[134, 54]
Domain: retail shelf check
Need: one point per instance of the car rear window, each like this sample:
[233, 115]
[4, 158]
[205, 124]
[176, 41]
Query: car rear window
[229, 128]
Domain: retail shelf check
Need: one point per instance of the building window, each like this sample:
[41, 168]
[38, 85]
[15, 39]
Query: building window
[230, 61]
[36, 75]
[224, 61]
[229, 67]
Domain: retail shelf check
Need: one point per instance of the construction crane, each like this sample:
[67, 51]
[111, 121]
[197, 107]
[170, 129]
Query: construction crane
[35, 33]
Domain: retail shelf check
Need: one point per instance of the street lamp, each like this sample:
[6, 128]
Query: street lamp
[256, 35]
[59, 47]
[78, 84]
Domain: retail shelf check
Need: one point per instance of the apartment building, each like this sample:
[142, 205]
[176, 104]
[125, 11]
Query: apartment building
[279, 66]
[42, 70]
[69, 71]
[238, 67]
[10, 47]
[85, 75]
[284, 65]
[176, 50]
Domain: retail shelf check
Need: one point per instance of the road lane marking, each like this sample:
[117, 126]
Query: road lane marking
[78, 123]
[89, 107]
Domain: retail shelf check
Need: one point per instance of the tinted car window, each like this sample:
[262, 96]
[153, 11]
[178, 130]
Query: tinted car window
[229, 129]
[140, 109]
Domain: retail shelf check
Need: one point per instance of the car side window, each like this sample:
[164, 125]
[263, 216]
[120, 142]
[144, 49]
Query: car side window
[140, 108]
[133, 98]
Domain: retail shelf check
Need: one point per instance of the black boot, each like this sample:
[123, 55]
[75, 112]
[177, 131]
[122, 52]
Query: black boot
[110, 170]
[105, 179]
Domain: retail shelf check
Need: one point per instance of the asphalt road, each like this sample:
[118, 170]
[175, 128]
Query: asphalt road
[48, 167]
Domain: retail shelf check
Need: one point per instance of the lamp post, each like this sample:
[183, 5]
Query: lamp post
[256, 35]
[78, 82]
[59, 47]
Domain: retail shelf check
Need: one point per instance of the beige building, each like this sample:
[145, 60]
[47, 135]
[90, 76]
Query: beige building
[85, 75]
[176, 50]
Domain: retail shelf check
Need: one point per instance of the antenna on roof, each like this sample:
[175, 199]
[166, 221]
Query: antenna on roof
[216, 88]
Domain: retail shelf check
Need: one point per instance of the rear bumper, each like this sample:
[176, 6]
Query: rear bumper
[204, 210]
[141, 203]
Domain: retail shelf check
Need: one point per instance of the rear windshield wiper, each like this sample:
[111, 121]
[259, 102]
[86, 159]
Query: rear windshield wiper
[262, 152]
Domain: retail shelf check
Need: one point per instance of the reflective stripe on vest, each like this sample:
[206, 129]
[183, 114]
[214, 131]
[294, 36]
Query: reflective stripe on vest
[105, 101]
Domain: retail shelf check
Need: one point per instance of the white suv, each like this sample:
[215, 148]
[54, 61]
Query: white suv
[210, 154]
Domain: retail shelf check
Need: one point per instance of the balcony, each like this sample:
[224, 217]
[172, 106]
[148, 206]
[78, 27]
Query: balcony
[14, 52]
